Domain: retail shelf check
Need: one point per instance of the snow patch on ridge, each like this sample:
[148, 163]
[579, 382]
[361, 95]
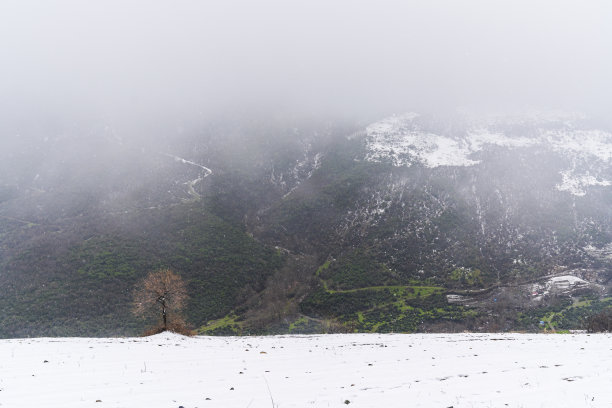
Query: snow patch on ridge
[581, 143]
[399, 140]
[403, 141]
[478, 139]
[586, 146]
[427, 148]
[577, 184]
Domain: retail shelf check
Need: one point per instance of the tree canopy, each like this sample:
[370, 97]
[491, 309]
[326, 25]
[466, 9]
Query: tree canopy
[163, 292]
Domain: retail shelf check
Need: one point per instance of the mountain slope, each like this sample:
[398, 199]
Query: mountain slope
[414, 222]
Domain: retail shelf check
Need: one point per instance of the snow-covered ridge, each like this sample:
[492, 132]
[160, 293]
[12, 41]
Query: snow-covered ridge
[479, 138]
[405, 140]
[577, 184]
[584, 143]
[402, 141]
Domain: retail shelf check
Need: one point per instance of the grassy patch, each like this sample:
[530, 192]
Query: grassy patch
[565, 316]
[228, 325]
[392, 308]
[298, 324]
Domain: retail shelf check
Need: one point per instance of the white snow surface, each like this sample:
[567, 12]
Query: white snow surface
[367, 370]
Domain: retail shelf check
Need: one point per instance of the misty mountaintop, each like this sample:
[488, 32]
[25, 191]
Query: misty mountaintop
[411, 222]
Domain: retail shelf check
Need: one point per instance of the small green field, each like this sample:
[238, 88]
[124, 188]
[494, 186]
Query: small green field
[226, 326]
[565, 316]
[344, 297]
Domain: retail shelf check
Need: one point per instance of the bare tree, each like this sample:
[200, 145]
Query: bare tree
[164, 292]
[601, 322]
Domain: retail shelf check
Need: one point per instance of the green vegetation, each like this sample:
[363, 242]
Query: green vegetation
[355, 270]
[278, 244]
[298, 325]
[467, 276]
[226, 326]
[86, 287]
[353, 291]
[564, 316]
[384, 308]
[106, 258]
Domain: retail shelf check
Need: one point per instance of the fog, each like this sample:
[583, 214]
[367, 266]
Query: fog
[131, 63]
[250, 144]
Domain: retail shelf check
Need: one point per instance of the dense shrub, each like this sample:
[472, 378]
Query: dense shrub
[601, 322]
[357, 270]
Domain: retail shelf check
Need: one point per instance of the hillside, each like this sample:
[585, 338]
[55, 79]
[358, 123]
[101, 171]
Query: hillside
[410, 223]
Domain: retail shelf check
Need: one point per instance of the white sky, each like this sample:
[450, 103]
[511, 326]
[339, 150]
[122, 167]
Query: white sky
[130, 58]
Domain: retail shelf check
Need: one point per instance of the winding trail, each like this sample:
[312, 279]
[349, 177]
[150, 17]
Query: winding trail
[191, 184]
[18, 220]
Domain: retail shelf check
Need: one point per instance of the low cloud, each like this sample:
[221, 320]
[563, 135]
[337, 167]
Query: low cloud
[131, 61]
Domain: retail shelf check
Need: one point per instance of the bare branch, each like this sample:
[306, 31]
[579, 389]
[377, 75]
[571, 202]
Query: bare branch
[161, 289]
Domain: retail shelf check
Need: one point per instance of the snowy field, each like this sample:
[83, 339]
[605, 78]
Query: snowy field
[415, 370]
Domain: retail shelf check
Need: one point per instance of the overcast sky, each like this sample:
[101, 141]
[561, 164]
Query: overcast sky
[134, 59]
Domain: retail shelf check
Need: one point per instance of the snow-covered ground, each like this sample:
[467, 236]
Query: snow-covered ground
[394, 370]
